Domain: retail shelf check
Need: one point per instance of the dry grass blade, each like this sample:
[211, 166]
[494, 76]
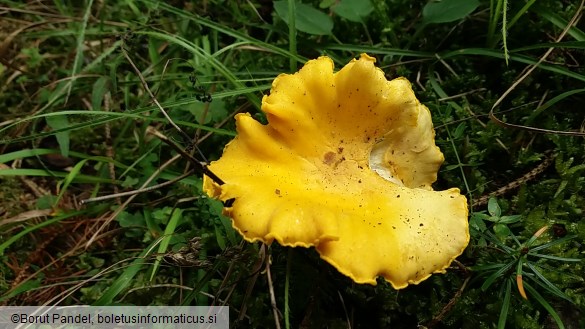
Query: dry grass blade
[26, 216]
[138, 191]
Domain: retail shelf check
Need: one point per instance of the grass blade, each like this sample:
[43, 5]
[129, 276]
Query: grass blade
[547, 284]
[545, 304]
[505, 306]
[79, 51]
[168, 234]
[492, 278]
[124, 281]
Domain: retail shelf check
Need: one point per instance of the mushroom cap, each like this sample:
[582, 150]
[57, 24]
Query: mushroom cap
[345, 164]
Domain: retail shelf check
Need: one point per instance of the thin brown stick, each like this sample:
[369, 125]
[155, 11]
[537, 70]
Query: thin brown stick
[272, 295]
[256, 272]
[517, 182]
[226, 277]
[447, 308]
[138, 191]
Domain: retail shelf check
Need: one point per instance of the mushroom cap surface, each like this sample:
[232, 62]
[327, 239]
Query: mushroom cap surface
[345, 165]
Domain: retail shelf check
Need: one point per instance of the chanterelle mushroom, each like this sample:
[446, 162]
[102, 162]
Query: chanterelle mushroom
[345, 164]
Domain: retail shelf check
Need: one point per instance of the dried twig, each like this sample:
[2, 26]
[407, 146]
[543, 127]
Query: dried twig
[548, 160]
[272, 295]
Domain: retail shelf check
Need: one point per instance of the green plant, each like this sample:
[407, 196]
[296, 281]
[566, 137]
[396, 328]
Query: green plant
[519, 263]
[500, 223]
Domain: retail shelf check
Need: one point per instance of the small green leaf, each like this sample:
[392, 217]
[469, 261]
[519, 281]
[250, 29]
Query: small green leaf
[477, 223]
[481, 216]
[494, 208]
[446, 11]
[126, 219]
[482, 242]
[353, 10]
[162, 215]
[326, 3]
[46, 201]
[133, 223]
[510, 219]
[458, 133]
[214, 112]
[308, 19]
[130, 182]
[451, 167]
[493, 219]
[501, 230]
[34, 57]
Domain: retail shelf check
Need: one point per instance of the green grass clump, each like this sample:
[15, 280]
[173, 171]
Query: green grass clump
[503, 80]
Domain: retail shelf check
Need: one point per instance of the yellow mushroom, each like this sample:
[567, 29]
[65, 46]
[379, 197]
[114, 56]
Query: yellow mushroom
[345, 165]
